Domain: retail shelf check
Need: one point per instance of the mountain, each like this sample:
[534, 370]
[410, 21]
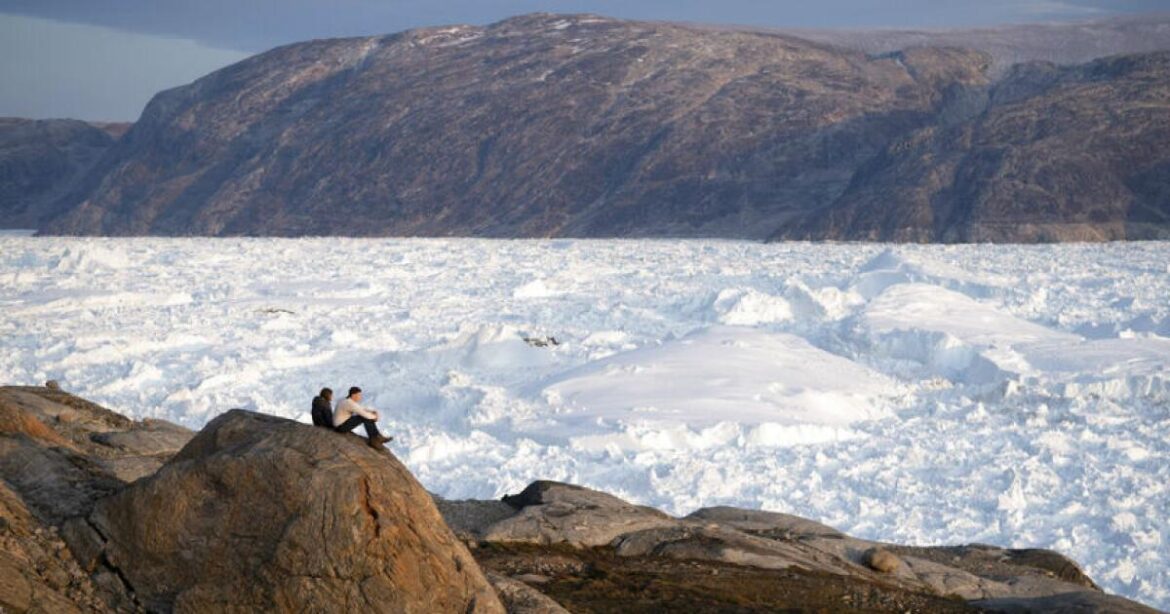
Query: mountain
[39, 161]
[1052, 154]
[549, 125]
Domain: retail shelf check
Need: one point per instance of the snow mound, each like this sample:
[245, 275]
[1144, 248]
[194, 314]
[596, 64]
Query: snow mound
[900, 265]
[951, 335]
[748, 307]
[726, 373]
[496, 348]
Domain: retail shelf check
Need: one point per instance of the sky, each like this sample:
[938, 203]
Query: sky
[103, 59]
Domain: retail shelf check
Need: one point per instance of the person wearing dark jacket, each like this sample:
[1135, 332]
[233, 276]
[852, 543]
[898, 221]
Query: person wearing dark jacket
[322, 409]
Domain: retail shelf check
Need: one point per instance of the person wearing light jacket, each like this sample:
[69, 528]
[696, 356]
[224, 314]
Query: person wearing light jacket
[349, 413]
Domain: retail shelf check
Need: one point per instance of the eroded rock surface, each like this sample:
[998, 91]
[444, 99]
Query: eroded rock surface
[263, 513]
[551, 514]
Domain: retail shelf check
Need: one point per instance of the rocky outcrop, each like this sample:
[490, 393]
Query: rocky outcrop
[255, 512]
[55, 462]
[262, 513]
[37, 571]
[61, 453]
[1052, 154]
[550, 513]
[40, 160]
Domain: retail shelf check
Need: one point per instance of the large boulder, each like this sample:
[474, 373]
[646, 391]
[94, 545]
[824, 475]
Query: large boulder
[261, 513]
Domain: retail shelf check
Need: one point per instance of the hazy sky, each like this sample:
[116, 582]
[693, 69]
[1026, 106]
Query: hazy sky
[103, 59]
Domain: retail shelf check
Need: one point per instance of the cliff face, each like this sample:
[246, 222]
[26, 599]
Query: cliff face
[549, 125]
[1051, 154]
[39, 161]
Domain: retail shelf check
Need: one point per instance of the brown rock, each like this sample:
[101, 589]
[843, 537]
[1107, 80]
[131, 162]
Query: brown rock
[16, 421]
[34, 571]
[880, 559]
[263, 513]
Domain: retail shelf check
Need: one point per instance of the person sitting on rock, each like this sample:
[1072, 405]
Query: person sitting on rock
[350, 413]
[323, 409]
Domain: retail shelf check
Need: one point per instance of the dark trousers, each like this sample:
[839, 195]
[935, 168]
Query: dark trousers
[354, 420]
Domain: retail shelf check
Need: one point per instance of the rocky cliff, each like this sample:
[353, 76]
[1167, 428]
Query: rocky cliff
[40, 160]
[99, 513]
[1047, 154]
[548, 125]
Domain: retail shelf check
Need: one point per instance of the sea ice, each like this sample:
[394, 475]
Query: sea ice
[1014, 395]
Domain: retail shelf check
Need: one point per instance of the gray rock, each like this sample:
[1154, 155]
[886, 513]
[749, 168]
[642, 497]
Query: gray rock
[714, 543]
[520, 598]
[761, 522]
[56, 483]
[1079, 602]
[470, 518]
[881, 560]
[551, 512]
[150, 437]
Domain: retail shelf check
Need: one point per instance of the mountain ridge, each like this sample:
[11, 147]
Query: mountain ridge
[584, 126]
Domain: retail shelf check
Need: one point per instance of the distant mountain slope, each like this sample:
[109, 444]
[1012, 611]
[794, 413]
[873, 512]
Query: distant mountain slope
[1008, 45]
[39, 160]
[1056, 154]
[547, 125]
[535, 126]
